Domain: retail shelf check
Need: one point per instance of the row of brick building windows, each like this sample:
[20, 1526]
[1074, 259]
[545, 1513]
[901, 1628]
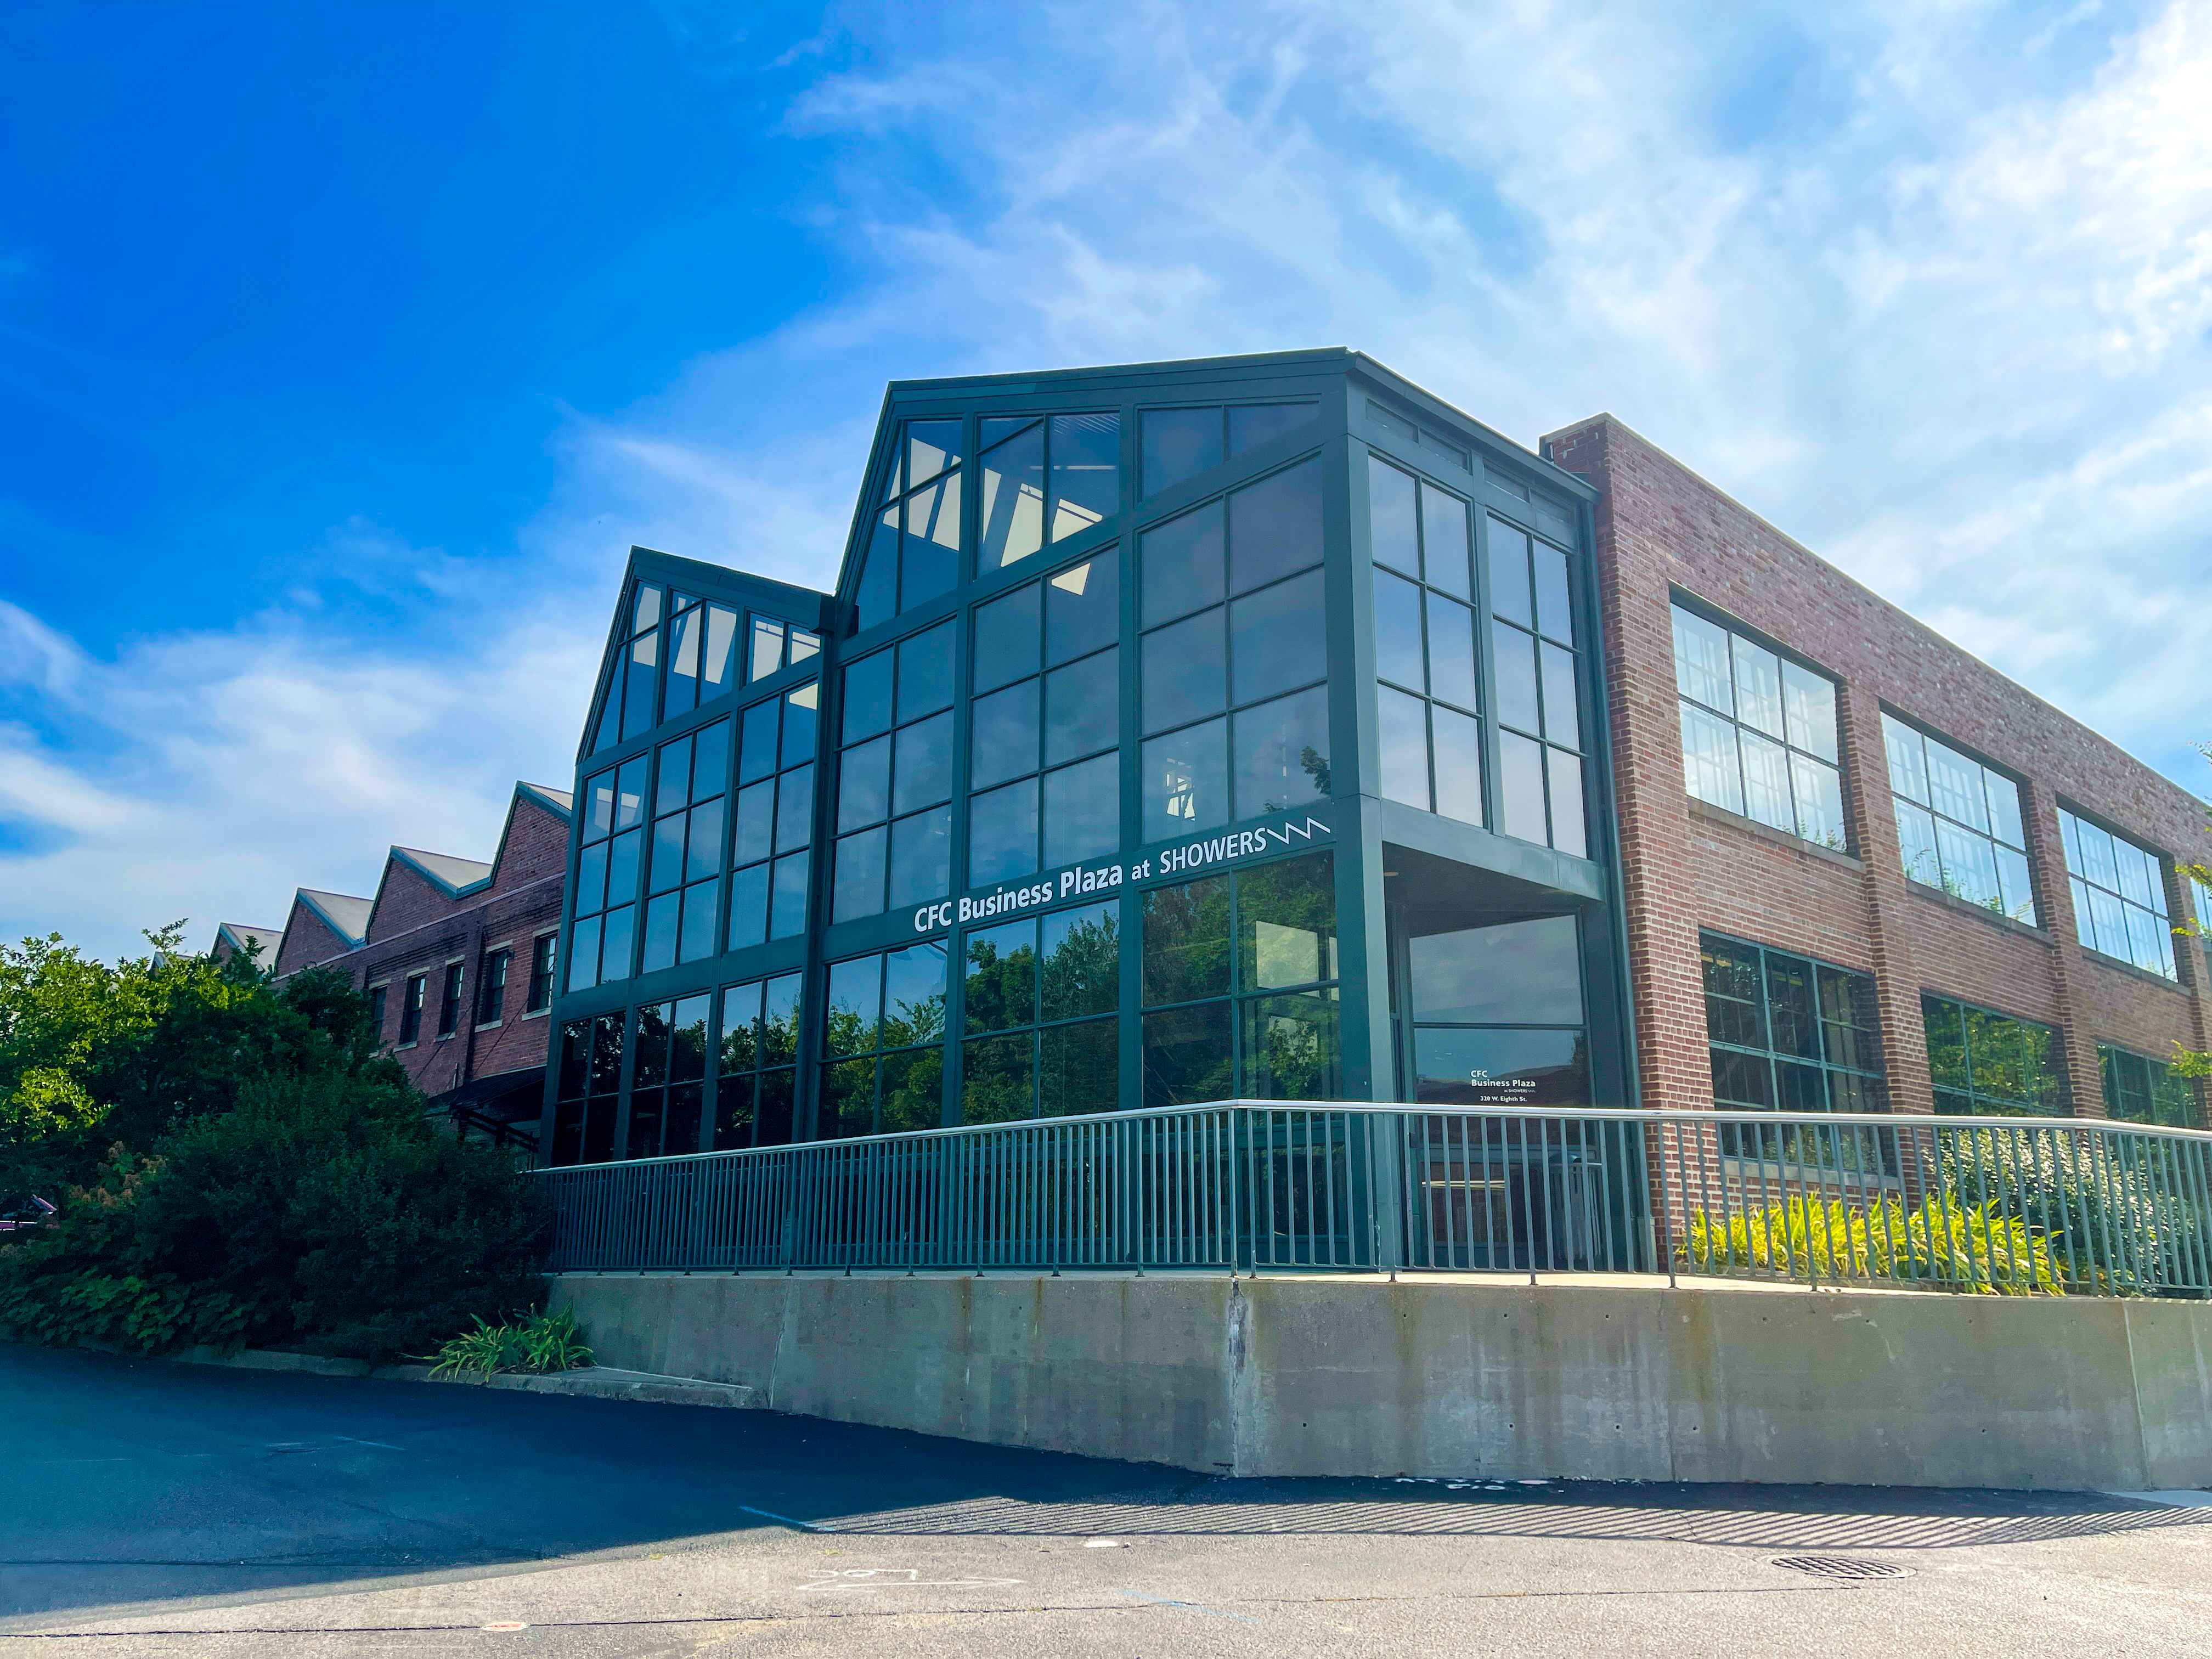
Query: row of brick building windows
[1759, 740]
[1789, 1033]
[492, 977]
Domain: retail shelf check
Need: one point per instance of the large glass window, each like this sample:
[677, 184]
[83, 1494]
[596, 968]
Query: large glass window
[772, 817]
[1425, 635]
[1959, 824]
[1991, 1065]
[894, 777]
[883, 1042]
[1759, 733]
[756, 1061]
[1239, 976]
[684, 856]
[702, 654]
[587, 1089]
[1233, 662]
[773, 645]
[1038, 1016]
[2140, 1090]
[668, 1081]
[2119, 897]
[1044, 773]
[667, 635]
[914, 551]
[1180, 443]
[1535, 670]
[609, 863]
[1790, 1034]
[1497, 1015]
[1044, 480]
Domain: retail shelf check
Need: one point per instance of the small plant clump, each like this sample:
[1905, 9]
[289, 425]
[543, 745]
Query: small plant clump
[1966, 1246]
[539, 1342]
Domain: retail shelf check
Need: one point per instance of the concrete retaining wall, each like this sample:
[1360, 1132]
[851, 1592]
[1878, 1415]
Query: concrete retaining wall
[1282, 1377]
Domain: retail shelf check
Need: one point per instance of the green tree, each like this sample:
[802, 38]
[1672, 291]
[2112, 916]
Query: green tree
[235, 1161]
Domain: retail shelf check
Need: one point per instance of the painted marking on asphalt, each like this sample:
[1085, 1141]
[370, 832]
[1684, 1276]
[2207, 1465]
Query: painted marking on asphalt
[1194, 1607]
[505, 1624]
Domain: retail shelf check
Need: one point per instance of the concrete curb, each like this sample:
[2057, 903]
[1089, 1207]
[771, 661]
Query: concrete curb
[586, 1382]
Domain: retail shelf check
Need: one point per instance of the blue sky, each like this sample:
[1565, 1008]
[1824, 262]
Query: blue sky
[343, 352]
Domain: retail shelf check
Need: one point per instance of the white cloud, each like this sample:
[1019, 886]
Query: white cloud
[207, 775]
[1934, 299]
[1949, 328]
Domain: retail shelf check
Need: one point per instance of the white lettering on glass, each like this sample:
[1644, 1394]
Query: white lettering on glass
[1105, 878]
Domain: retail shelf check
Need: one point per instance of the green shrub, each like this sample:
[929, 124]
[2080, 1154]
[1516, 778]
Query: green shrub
[328, 1214]
[2115, 1219]
[1963, 1247]
[85, 1277]
[542, 1342]
[267, 1178]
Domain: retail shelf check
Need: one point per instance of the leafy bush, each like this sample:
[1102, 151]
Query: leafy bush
[1968, 1247]
[330, 1215]
[2099, 1204]
[267, 1178]
[543, 1342]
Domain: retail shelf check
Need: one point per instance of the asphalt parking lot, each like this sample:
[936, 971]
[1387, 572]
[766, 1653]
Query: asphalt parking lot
[167, 1509]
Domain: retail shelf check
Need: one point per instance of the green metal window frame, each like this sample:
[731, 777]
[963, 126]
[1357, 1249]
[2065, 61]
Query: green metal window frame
[1756, 1070]
[2140, 1090]
[2127, 921]
[1500, 477]
[1911, 754]
[1798, 753]
[1244, 1001]
[1988, 1064]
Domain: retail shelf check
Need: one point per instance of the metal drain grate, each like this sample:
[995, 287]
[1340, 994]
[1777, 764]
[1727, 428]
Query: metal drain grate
[1841, 1566]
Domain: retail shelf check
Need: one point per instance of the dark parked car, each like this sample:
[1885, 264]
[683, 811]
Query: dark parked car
[36, 1214]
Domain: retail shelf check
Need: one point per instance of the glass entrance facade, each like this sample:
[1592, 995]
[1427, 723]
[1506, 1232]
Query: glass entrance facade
[1189, 732]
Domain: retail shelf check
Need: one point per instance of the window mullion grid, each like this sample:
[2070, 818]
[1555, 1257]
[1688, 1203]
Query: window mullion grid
[1486, 674]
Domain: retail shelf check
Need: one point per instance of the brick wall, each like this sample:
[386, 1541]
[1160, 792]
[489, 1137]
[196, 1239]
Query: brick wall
[1687, 868]
[307, 940]
[417, 927]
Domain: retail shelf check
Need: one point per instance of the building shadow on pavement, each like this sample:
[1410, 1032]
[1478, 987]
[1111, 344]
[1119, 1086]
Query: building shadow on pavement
[140, 1481]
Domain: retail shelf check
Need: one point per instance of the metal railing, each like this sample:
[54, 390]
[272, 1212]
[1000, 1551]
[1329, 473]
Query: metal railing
[2016, 1206]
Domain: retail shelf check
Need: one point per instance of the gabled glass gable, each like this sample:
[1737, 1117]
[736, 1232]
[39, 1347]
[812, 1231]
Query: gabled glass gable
[1107, 668]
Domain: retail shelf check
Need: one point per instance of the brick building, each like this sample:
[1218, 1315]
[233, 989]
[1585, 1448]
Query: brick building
[458, 957]
[2059, 987]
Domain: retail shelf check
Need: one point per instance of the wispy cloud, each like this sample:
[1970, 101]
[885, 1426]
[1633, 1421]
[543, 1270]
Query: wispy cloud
[1930, 286]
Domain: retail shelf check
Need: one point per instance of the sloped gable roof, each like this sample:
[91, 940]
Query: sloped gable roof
[244, 937]
[562, 801]
[457, 877]
[345, 915]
